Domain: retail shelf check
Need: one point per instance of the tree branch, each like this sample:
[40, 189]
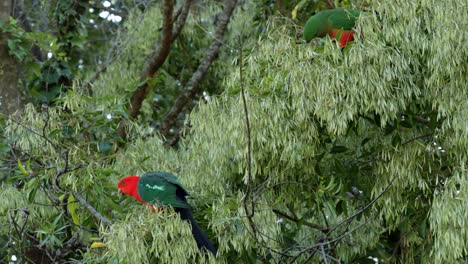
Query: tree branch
[181, 18]
[330, 4]
[191, 90]
[281, 9]
[154, 61]
[92, 210]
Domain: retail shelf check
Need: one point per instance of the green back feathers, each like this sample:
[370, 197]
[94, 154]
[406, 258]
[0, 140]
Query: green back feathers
[319, 24]
[162, 188]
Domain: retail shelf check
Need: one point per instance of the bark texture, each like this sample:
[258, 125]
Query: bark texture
[10, 95]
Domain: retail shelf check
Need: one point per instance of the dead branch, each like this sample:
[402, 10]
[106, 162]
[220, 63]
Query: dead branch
[190, 90]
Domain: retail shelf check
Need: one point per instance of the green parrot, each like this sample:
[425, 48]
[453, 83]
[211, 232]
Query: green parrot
[331, 22]
[159, 188]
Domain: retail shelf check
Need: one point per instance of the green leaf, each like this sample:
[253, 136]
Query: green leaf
[56, 220]
[12, 21]
[28, 165]
[32, 194]
[51, 77]
[11, 44]
[72, 206]
[41, 232]
[364, 141]
[4, 149]
[396, 140]
[113, 205]
[105, 147]
[389, 128]
[298, 8]
[348, 46]
[338, 149]
[98, 245]
[234, 91]
[21, 168]
[68, 132]
[32, 184]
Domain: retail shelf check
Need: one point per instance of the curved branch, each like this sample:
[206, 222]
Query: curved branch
[191, 90]
[154, 61]
[181, 18]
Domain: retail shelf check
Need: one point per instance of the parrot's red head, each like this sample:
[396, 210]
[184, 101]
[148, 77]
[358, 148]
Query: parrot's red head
[129, 186]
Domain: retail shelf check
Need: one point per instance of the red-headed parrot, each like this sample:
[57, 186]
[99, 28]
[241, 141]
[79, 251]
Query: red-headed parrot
[331, 22]
[164, 189]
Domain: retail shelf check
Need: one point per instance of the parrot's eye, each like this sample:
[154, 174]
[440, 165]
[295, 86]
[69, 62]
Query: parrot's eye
[123, 183]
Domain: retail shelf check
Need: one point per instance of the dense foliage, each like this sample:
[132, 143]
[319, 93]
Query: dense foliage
[356, 153]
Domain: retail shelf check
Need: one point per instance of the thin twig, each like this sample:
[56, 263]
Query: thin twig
[32, 131]
[360, 211]
[318, 245]
[248, 195]
[347, 221]
[265, 189]
[324, 256]
[418, 137]
[60, 172]
[296, 220]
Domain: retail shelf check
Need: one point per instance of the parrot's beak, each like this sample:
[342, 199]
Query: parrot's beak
[119, 191]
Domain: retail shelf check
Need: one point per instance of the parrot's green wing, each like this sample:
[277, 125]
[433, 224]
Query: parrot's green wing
[343, 18]
[162, 188]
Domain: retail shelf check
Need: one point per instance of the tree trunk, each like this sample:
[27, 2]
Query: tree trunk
[10, 96]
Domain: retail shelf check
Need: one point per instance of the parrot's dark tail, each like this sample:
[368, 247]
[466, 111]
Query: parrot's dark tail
[200, 236]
